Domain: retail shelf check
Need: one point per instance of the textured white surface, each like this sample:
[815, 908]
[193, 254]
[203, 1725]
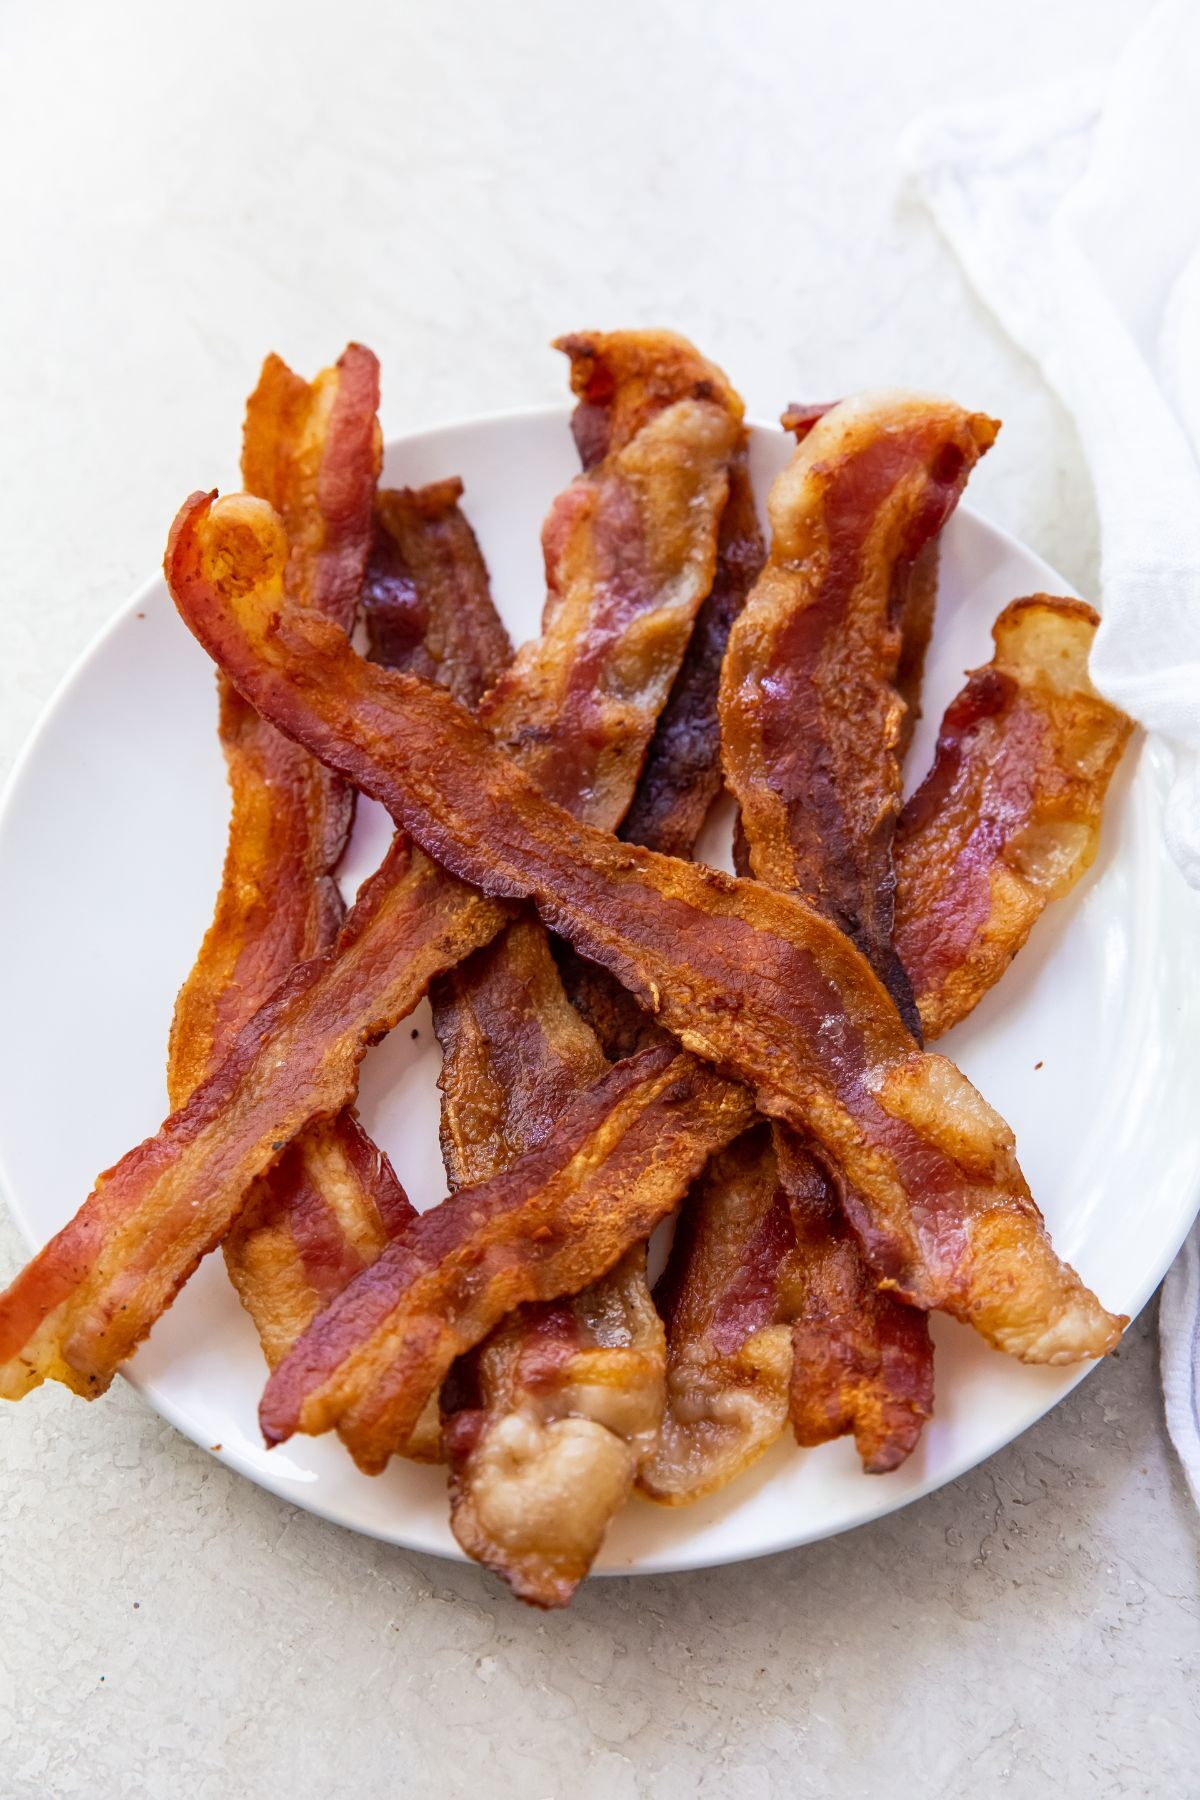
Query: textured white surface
[182, 189]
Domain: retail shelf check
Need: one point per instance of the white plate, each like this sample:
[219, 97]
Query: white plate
[111, 837]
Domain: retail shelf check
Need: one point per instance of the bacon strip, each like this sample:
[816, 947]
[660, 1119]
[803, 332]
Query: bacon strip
[723, 1300]
[630, 550]
[58, 1317]
[747, 978]
[813, 720]
[810, 714]
[312, 451]
[682, 774]
[573, 1423]
[1008, 818]
[331, 1204]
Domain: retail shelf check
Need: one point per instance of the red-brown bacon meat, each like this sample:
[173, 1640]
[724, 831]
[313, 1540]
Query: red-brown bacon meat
[1008, 818]
[313, 451]
[556, 1221]
[813, 720]
[810, 711]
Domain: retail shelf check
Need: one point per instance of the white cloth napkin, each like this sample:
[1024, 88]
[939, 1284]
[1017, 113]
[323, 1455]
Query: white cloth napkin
[1075, 210]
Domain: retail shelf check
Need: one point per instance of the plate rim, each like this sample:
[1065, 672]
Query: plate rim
[666, 1560]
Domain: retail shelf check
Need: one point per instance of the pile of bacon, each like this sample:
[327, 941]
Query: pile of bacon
[626, 1033]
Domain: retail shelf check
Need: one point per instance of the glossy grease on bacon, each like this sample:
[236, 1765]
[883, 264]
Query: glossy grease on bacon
[1008, 818]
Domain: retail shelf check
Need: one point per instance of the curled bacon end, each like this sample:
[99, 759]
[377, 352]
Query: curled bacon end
[623, 379]
[552, 1223]
[800, 417]
[566, 1403]
[747, 978]
[313, 451]
[1008, 818]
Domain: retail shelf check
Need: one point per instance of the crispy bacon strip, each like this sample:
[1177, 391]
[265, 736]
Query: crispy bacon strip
[331, 1204]
[515, 1050]
[747, 978]
[630, 550]
[813, 720]
[57, 1318]
[810, 713]
[1008, 818]
[723, 1300]
[682, 774]
[313, 451]
[556, 1221]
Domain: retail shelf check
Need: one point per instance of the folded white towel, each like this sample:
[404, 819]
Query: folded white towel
[1075, 210]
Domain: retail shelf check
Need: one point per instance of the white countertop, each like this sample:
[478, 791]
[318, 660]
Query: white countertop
[184, 189]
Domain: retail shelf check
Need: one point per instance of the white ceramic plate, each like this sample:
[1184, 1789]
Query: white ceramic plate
[111, 837]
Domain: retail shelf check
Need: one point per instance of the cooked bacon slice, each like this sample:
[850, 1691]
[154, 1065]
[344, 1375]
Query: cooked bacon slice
[862, 1360]
[556, 1221]
[630, 550]
[313, 451]
[1008, 818]
[723, 1302]
[427, 600]
[515, 1050]
[330, 1205]
[682, 774]
[749, 979]
[813, 718]
[810, 713]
